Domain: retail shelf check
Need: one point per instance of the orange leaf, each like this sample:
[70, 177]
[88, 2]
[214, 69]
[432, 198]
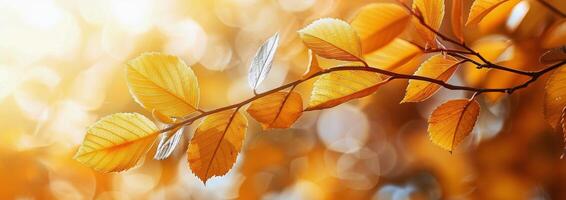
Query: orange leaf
[277, 110]
[452, 121]
[432, 12]
[313, 67]
[393, 55]
[490, 49]
[480, 8]
[555, 96]
[216, 144]
[438, 67]
[554, 55]
[457, 19]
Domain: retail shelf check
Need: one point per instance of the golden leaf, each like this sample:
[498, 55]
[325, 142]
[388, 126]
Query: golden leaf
[438, 67]
[490, 50]
[161, 117]
[457, 20]
[480, 8]
[337, 87]
[555, 96]
[393, 55]
[216, 143]
[117, 142]
[432, 12]
[277, 110]
[377, 24]
[452, 121]
[163, 82]
[332, 38]
[313, 67]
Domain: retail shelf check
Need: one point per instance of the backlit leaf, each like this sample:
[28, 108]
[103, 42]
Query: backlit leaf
[555, 96]
[262, 61]
[438, 67]
[554, 55]
[432, 12]
[393, 55]
[377, 24]
[216, 144]
[480, 8]
[117, 142]
[491, 50]
[452, 121]
[332, 38]
[313, 67]
[277, 110]
[163, 82]
[335, 88]
[167, 144]
[161, 117]
[457, 19]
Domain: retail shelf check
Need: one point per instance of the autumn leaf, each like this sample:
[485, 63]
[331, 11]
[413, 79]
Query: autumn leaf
[452, 121]
[457, 20]
[163, 82]
[262, 61]
[554, 36]
[332, 38]
[439, 67]
[158, 116]
[480, 8]
[554, 55]
[555, 96]
[277, 110]
[337, 87]
[117, 142]
[490, 49]
[167, 145]
[314, 66]
[377, 24]
[432, 12]
[216, 144]
[393, 55]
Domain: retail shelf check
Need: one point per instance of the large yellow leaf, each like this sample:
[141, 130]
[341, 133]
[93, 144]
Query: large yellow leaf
[432, 12]
[216, 143]
[438, 67]
[332, 38]
[337, 87]
[393, 55]
[555, 96]
[163, 82]
[452, 121]
[480, 8]
[457, 19]
[377, 24]
[277, 110]
[117, 142]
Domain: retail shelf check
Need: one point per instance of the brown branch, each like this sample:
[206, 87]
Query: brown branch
[552, 8]
[392, 76]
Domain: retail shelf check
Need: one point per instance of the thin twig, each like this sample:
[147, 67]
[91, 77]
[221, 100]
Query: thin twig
[552, 8]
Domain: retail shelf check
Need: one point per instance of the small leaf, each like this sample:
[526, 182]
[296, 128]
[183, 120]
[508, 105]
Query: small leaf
[332, 38]
[161, 117]
[262, 62]
[377, 24]
[277, 110]
[393, 55]
[452, 121]
[432, 12]
[117, 142]
[216, 144]
[490, 49]
[167, 145]
[163, 82]
[438, 67]
[457, 19]
[480, 8]
[337, 87]
[555, 96]
[314, 66]
[554, 55]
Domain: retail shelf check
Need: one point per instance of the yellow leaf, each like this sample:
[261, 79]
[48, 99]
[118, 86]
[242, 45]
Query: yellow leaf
[161, 117]
[555, 96]
[490, 49]
[163, 82]
[457, 19]
[438, 67]
[277, 110]
[337, 87]
[313, 67]
[452, 121]
[480, 8]
[432, 12]
[117, 142]
[332, 38]
[377, 24]
[393, 55]
[216, 143]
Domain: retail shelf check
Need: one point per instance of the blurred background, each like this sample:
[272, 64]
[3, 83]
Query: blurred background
[61, 69]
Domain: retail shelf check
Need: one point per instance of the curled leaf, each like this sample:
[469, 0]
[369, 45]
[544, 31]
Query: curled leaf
[277, 110]
[480, 8]
[438, 67]
[452, 121]
[262, 61]
[167, 145]
[314, 66]
[117, 142]
[332, 38]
